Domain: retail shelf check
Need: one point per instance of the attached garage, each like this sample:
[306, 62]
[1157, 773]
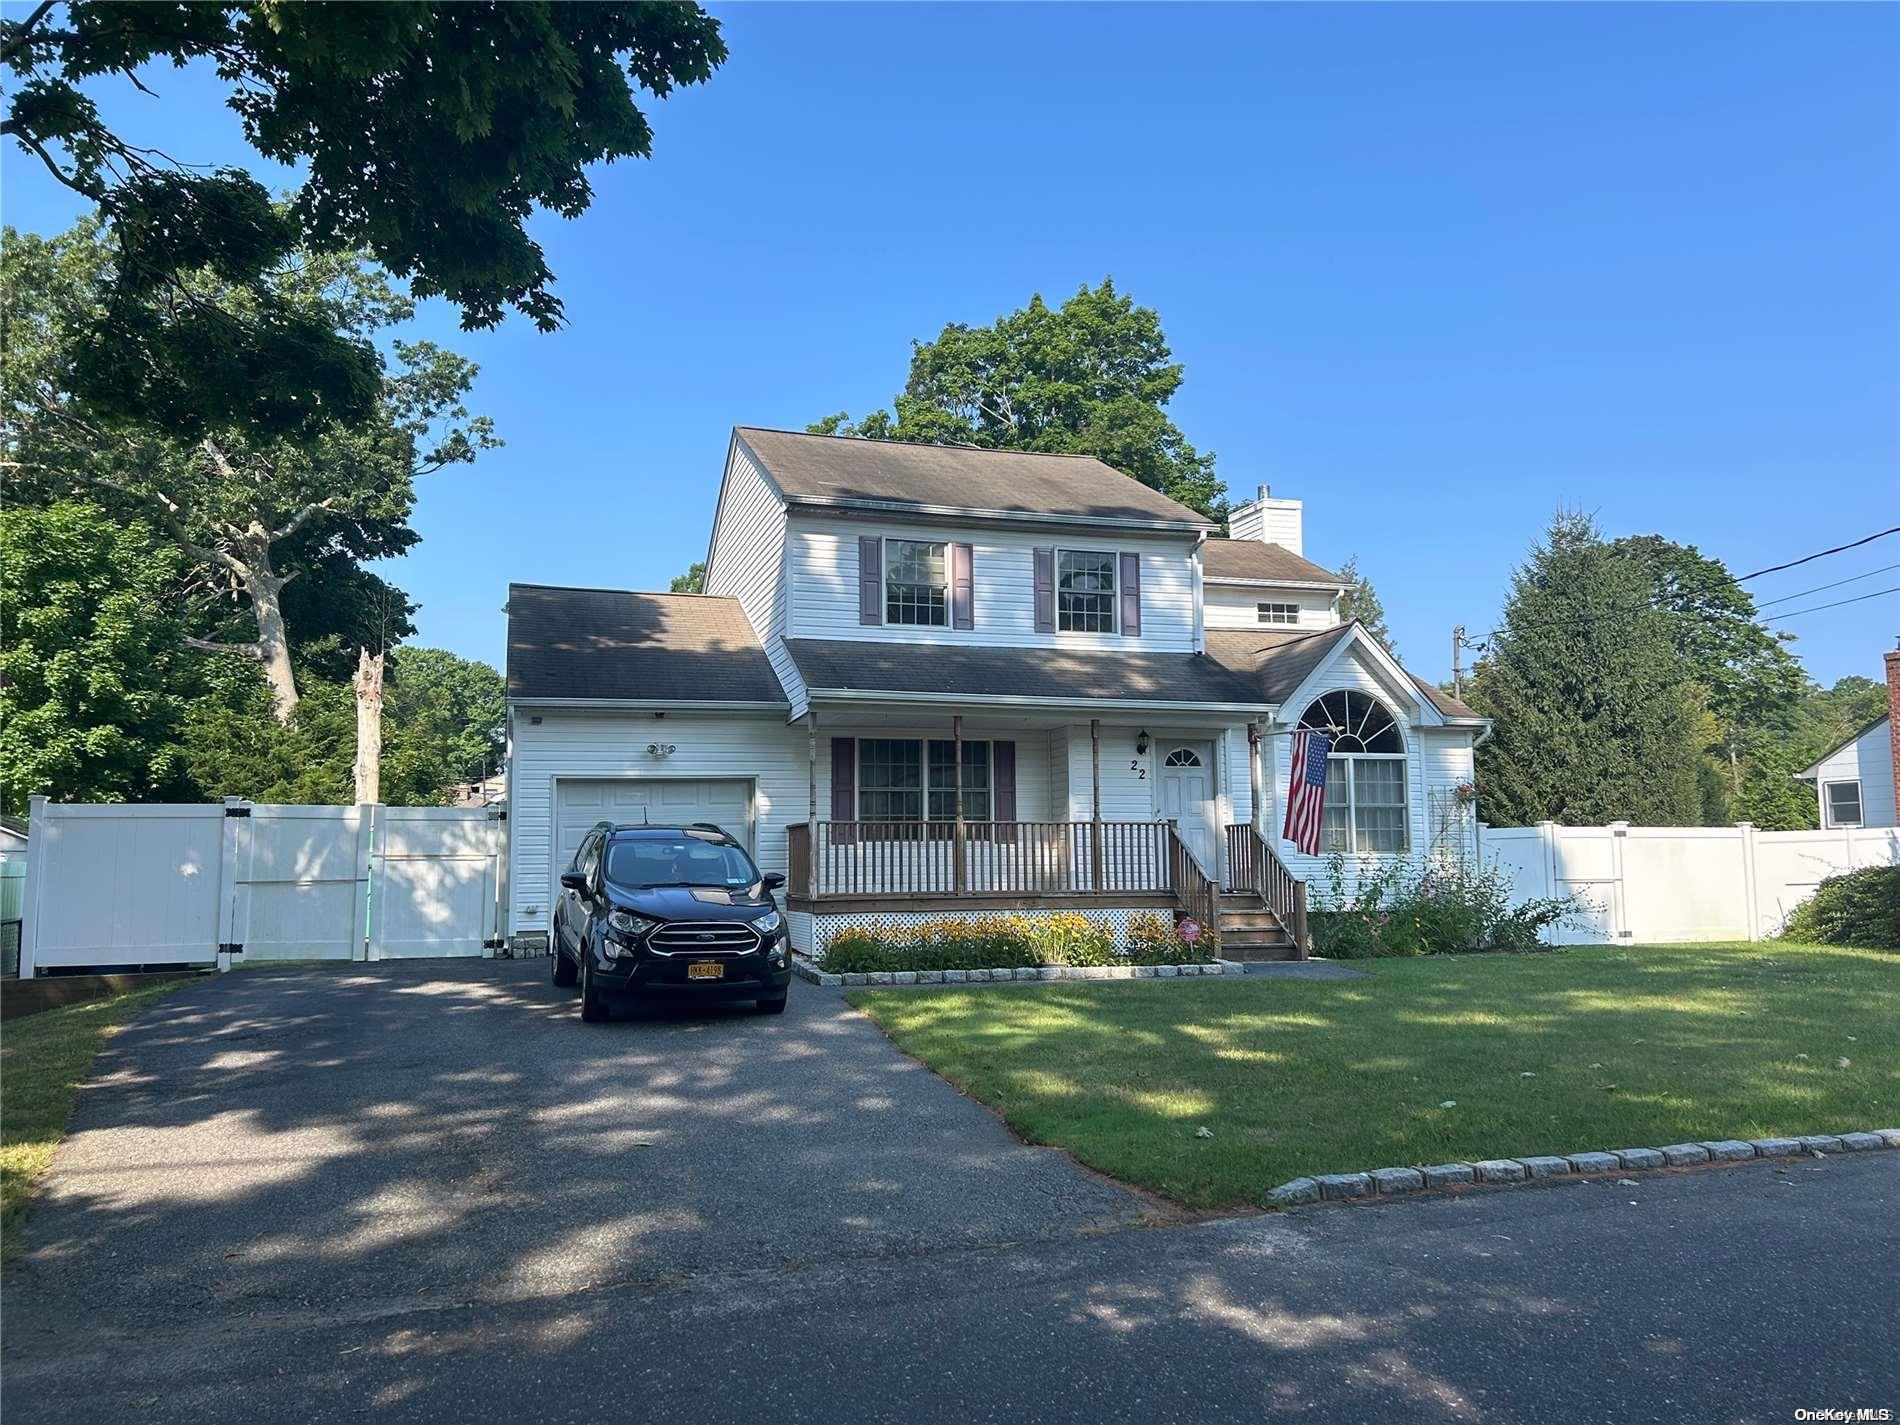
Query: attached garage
[666, 711]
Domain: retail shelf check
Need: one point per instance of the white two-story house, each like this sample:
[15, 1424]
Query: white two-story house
[930, 680]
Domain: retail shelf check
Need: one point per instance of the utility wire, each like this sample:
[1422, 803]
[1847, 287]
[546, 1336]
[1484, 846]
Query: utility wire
[1815, 609]
[1851, 579]
[1810, 558]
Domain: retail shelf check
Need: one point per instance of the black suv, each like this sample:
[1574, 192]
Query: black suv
[669, 910]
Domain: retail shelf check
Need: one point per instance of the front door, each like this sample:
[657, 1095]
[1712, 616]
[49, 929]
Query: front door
[1184, 788]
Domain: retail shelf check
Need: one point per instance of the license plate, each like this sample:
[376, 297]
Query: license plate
[706, 970]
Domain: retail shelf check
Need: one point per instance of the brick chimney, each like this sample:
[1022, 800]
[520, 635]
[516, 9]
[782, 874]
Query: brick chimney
[1893, 718]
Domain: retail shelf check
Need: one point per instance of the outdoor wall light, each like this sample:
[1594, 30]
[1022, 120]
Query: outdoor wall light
[1141, 742]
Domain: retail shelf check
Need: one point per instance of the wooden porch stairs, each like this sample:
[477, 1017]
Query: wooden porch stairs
[1249, 931]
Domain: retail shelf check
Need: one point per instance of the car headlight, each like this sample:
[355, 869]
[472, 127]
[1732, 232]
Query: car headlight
[627, 923]
[768, 922]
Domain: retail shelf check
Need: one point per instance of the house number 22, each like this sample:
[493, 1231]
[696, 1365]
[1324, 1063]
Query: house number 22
[1141, 772]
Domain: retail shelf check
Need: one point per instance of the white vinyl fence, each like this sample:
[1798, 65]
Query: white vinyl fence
[1654, 884]
[149, 885]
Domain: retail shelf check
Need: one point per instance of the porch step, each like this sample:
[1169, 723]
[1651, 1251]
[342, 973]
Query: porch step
[1256, 954]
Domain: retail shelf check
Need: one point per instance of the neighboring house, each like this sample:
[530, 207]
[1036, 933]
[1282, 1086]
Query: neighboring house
[927, 679]
[490, 791]
[1858, 783]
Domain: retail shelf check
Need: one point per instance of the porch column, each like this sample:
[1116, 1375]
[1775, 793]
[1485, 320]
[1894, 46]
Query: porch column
[811, 801]
[958, 876]
[1095, 804]
[1253, 774]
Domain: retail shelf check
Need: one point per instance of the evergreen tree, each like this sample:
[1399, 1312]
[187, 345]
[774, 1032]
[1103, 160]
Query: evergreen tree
[1361, 602]
[693, 581]
[1597, 718]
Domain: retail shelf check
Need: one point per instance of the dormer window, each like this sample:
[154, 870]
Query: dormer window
[1283, 614]
[1085, 591]
[916, 583]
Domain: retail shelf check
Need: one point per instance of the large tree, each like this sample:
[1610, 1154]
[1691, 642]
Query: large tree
[95, 679]
[1597, 719]
[1091, 377]
[1753, 685]
[426, 133]
[250, 510]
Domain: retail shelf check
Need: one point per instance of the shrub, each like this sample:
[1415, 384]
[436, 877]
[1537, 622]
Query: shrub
[1005, 942]
[1437, 907]
[1859, 908]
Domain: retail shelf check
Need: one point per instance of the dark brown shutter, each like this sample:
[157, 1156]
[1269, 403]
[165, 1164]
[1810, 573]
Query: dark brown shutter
[962, 592]
[870, 579]
[844, 786]
[1045, 591]
[1003, 781]
[1131, 595]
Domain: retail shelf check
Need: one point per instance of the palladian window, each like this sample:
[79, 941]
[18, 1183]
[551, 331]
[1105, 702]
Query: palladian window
[1365, 774]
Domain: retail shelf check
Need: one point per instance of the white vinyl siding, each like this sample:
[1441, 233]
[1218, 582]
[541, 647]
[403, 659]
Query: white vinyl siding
[1238, 606]
[747, 561]
[824, 572]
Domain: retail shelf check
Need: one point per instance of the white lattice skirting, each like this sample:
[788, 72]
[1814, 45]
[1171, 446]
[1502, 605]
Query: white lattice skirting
[1113, 919]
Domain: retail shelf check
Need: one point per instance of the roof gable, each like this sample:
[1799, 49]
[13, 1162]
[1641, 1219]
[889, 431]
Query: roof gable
[829, 470]
[620, 645]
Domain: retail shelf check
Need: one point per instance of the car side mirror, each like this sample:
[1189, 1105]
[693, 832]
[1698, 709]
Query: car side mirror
[773, 880]
[574, 881]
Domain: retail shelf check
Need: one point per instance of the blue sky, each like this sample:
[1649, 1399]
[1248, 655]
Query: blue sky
[1435, 270]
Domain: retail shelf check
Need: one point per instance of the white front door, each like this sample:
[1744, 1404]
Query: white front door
[1184, 789]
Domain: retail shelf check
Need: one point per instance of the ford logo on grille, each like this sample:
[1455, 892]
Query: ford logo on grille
[705, 935]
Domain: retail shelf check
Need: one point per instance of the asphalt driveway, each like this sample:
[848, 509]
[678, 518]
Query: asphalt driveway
[371, 1138]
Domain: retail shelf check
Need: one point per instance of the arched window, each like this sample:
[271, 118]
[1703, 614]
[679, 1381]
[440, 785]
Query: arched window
[1365, 774]
[1183, 757]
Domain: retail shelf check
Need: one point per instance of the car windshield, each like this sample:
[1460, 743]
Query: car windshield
[683, 860]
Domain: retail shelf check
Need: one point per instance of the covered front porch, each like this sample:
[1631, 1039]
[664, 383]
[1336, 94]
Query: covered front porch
[973, 808]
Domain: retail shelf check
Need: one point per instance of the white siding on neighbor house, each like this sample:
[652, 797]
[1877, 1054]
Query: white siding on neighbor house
[824, 572]
[1238, 606]
[589, 745]
[747, 561]
[1868, 759]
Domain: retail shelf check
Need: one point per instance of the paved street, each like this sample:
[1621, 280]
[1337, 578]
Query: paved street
[431, 1194]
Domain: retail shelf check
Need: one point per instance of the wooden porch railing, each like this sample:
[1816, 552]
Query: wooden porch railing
[979, 858]
[1199, 896]
[1253, 866]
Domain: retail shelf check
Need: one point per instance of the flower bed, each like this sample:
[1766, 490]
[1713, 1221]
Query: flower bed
[1442, 906]
[1008, 942]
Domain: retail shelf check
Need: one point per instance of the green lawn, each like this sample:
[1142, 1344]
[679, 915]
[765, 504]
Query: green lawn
[1579, 1049]
[43, 1060]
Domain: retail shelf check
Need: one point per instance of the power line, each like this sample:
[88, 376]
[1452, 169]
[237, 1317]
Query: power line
[1818, 588]
[1810, 558]
[1795, 613]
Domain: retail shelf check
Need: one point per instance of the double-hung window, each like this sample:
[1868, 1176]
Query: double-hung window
[1278, 613]
[1843, 804]
[916, 583]
[1366, 810]
[912, 779]
[1085, 591]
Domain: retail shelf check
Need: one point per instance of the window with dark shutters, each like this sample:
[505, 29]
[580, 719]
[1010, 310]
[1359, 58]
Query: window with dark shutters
[962, 586]
[844, 782]
[1045, 590]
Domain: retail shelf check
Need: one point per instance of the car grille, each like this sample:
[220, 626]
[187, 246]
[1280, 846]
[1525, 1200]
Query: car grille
[704, 937]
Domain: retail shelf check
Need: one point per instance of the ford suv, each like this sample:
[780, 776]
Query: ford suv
[668, 910]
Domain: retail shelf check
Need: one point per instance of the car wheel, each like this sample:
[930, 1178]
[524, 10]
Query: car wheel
[564, 973]
[594, 1008]
[772, 1006]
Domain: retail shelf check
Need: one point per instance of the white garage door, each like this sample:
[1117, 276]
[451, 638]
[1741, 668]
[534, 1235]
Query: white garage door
[581, 805]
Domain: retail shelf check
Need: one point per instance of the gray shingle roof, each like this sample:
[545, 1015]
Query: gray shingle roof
[1256, 559]
[838, 664]
[616, 643]
[1444, 701]
[1275, 661]
[833, 469]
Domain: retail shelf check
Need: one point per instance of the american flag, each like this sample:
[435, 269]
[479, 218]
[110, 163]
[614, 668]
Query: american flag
[1306, 790]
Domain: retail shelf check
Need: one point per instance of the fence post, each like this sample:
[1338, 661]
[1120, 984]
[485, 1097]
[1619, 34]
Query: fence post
[1751, 893]
[1619, 907]
[37, 835]
[237, 821]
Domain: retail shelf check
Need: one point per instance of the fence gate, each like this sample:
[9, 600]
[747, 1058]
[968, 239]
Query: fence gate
[153, 885]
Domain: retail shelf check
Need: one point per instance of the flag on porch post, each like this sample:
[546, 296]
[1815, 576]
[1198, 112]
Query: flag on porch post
[1306, 790]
